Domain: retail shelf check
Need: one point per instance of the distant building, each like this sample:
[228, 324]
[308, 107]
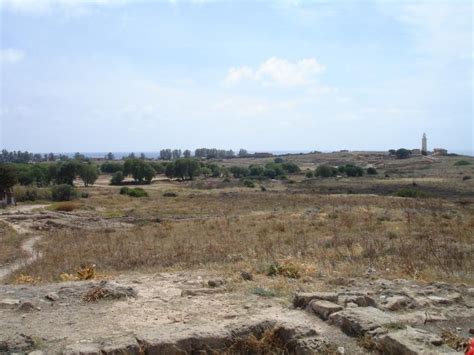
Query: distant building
[424, 143]
[440, 151]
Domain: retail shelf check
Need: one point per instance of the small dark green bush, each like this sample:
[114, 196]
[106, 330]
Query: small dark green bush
[410, 192]
[325, 171]
[137, 192]
[63, 192]
[371, 171]
[467, 177]
[309, 174]
[249, 183]
[170, 194]
[124, 190]
[462, 163]
[85, 195]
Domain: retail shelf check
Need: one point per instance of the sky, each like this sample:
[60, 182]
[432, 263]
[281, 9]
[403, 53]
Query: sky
[123, 75]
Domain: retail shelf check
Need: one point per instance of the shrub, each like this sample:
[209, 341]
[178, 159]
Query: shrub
[371, 171]
[353, 171]
[117, 178]
[278, 160]
[124, 190]
[170, 194]
[290, 168]
[136, 192]
[63, 192]
[326, 171]
[84, 195]
[31, 193]
[64, 206]
[462, 163]
[467, 177]
[402, 153]
[309, 174]
[410, 192]
[238, 171]
[249, 183]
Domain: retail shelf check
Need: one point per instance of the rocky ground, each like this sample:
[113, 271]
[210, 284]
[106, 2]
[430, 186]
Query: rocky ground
[181, 313]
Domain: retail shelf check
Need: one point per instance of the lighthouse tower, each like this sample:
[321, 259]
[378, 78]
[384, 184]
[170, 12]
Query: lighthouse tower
[424, 144]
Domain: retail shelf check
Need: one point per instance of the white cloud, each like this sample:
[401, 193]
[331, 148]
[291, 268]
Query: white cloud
[11, 56]
[277, 71]
[40, 7]
[442, 29]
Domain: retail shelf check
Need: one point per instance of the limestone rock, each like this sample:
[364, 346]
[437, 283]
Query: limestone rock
[411, 341]
[82, 349]
[301, 300]
[17, 343]
[359, 300]
[324, 308]
[358, 321]
[396, 303]
[121, 345]
[9, 303]
[27, 307]
[52, 296]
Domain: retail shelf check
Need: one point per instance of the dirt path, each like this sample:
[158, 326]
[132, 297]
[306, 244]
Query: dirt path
[27, 246]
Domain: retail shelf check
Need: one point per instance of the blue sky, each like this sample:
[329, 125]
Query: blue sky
[121, 75]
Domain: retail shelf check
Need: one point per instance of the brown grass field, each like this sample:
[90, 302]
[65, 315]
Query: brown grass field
[305, 228]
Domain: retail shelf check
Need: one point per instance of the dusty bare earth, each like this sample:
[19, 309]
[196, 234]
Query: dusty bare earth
[197, 311]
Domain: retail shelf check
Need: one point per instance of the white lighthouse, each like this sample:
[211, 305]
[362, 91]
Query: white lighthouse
[424, 144]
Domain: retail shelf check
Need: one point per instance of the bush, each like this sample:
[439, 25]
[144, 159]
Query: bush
[467, 177]
[117, 178]
[409, 192]
[249, 183]
[309, 174]
[84, 195]
[124, 190]
[64, 206]
[136, 192]
[325, 171]
[402, 153]
[462, 163]
[63, 192]
[353, 171]
[31, 193]
[371, 171]
[278, 160]
[170, 194]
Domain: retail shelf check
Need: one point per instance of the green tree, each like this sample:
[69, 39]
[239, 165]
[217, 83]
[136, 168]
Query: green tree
[67, 172]
[402, 153]
[8, 177]
[117, 178]
[325, 171]
[89, 174]
[140, 170]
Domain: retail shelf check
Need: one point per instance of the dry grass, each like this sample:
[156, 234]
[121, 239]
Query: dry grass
[300, 235]
[10, 243]
[65, 206]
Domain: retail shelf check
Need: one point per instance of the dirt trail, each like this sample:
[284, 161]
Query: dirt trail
[28, 244]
